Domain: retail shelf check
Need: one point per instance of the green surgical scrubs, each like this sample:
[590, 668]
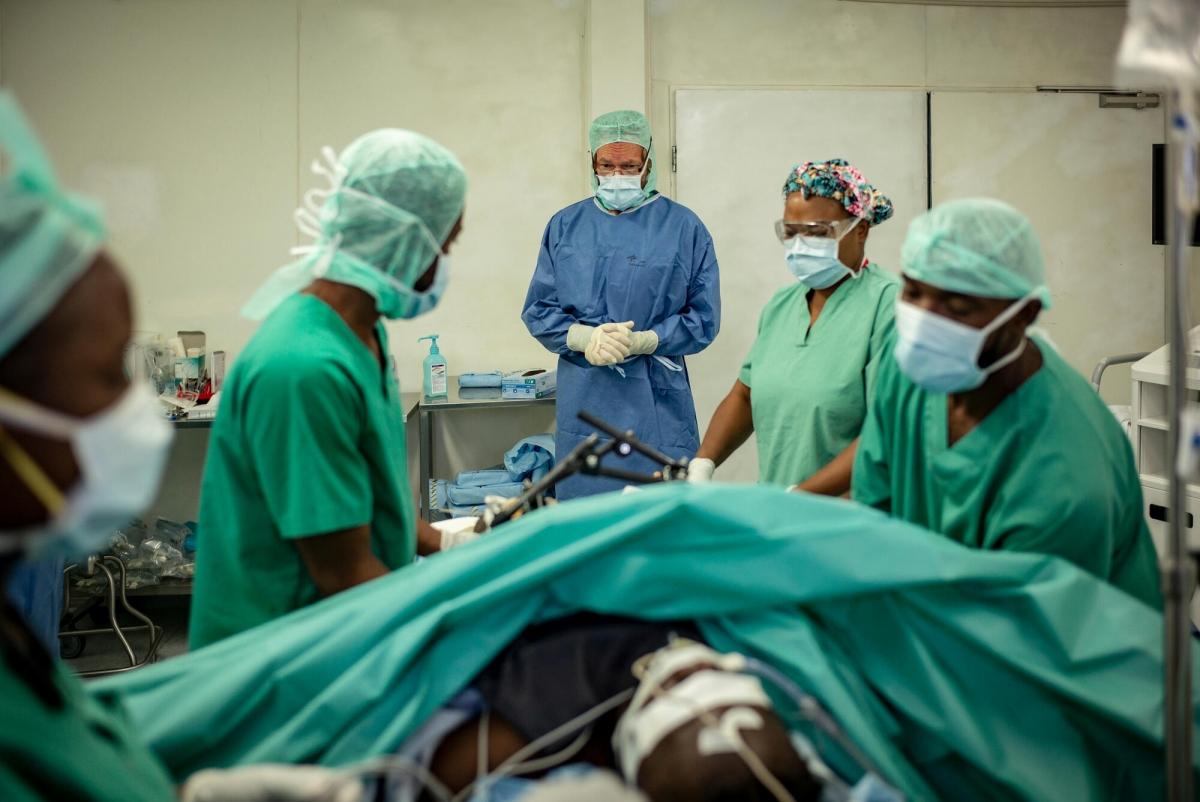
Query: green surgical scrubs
[70, 746]
[309, 440]
[1049, 470]
[809, 384]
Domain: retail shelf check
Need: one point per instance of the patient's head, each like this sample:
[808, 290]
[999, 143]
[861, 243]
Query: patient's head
[697, 729]
[676, 770]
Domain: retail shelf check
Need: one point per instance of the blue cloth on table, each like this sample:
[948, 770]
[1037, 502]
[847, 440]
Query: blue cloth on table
[36, 590]
[655, 266]
[489, 379]
[530, 458]
[460, 496]
[488, 476]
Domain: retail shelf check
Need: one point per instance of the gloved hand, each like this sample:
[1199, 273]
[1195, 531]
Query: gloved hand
[271, 782]
[643, 342]
[700, 470]
[457, 531]
[606, 344]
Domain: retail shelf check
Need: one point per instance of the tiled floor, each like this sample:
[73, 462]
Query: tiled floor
[105, 651]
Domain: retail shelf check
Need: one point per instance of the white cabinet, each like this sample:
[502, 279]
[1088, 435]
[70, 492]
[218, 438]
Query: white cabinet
[1150, 443]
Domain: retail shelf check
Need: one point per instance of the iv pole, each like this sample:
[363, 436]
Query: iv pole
[1178, 568]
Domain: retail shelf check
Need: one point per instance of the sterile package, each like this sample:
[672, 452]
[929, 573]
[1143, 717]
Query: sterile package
[492, 378]
[529, 384]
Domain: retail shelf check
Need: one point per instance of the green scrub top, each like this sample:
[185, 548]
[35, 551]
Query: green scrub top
[309, 440]
[1049, 470]
[809, 384]
[82, 748]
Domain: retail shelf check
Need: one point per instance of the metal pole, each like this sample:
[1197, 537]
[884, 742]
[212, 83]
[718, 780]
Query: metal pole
[1178, 571]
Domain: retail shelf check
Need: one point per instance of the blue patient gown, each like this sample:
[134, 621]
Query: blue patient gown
[655, 266]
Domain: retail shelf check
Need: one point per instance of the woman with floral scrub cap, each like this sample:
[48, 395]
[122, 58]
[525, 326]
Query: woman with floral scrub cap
[804, 387]
[626, 286]
[981, 432]
[305, 490]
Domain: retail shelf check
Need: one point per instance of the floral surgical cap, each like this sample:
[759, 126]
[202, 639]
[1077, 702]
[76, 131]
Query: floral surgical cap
[838, 180]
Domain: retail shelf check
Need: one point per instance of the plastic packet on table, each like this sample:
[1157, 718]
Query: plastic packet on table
[173, 532]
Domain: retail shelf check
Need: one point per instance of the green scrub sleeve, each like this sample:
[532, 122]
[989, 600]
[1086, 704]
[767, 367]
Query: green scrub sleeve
[305, 421]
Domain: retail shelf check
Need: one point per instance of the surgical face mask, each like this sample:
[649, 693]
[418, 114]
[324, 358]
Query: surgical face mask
[622, 192]
[814, 260]
[121, 452]
[403, 303]
[941, 355]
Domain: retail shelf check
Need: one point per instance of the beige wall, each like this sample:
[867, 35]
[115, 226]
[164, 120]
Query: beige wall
[827, 43]
[196, 121]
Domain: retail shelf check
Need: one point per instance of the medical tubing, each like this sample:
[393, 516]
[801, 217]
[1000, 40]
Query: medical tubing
[550, 761]
[383, 766]
[533, 747]
[811, 709]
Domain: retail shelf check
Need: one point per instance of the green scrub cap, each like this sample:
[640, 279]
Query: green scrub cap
[393, 198]
[48, 237]
[624, 126]
[978, 247]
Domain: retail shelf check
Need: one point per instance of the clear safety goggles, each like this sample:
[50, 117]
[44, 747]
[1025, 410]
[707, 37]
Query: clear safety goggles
[788, 230]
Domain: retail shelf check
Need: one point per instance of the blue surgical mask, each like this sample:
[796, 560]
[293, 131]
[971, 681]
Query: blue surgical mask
[404, 304]
[814, 260]
[620, 192]
[941, 355]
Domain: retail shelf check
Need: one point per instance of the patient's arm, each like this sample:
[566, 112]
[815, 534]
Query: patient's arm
[456, 760]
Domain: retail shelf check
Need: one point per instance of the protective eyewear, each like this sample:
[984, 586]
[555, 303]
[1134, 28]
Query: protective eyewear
[788, 230]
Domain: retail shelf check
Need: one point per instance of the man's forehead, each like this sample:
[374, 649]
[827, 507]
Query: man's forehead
[620, 151]
[979, 300]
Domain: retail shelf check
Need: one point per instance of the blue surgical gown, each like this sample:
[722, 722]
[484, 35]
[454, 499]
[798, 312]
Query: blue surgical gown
[655, 266]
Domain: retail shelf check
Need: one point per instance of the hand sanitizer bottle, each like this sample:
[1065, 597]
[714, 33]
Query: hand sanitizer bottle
[436, 378]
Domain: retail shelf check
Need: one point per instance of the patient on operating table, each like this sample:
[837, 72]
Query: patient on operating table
[667, 718]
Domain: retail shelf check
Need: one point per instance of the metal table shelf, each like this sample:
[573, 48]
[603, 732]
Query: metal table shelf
[462, 399]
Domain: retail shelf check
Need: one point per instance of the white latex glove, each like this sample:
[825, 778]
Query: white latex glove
[271, 782]
[457, 531]
[700, 470]
[606, 344]
[643, 342]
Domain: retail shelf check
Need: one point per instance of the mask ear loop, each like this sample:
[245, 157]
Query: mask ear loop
[35, 478]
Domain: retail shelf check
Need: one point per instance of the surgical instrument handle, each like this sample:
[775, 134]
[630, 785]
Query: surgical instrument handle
[673, 468]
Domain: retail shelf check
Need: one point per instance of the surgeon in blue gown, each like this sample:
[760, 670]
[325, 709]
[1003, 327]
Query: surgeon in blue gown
[626, 286]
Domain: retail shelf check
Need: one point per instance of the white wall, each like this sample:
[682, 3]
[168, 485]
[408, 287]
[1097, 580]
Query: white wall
[196, 123]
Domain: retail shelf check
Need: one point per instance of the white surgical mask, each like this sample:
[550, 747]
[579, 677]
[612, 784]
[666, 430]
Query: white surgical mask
[620, 192]
[121, 452]
[814, 260]
[941, 355]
